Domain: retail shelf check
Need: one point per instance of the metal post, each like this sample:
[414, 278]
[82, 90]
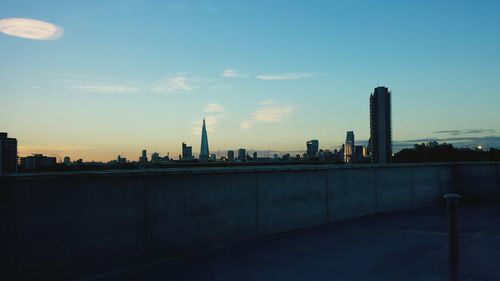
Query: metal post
[452, 202]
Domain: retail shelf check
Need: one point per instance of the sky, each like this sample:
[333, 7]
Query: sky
[95, 79]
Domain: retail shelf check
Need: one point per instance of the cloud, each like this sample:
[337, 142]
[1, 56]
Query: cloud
[231, 73]
[96, 84]
[286, 76]
[104, 89]
[30, 29]
[176, 84]
[221, 87]
[247, 124]
[211, 123]
[268, 112]
[464, 132]
[213, 107]
[30, 149]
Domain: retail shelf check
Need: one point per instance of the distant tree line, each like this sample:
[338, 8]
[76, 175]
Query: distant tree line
[434, 152]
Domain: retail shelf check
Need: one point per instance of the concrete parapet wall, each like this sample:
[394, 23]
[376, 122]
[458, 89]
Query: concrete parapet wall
[188, 213]
[478, 181]
[290, 200]
[71, 225]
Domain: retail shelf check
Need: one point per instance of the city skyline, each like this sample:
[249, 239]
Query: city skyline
[115, 78]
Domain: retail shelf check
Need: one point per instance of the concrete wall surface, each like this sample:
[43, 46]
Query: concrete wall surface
[70, 225]
[478, 181]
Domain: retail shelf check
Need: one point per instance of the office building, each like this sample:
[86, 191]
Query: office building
[38, 162]
[187, 152]
[155, 158]
[204, 152]
[359, 153]
[121, 160]
[67, 160]
[230, 155]
[143, 160]
[380, 143]
[8, 154]
[349, 147]
[242, 154]
[312, 148]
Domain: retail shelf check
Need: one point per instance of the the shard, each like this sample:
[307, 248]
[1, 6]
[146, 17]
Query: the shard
[204, 153]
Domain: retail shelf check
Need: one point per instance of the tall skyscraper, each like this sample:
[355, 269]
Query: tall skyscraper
[8, 154]
[349, 147]
[312, 148]
[380, 144]
[204, 153]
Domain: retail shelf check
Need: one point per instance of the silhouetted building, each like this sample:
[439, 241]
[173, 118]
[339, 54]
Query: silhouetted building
[121, 160]
[230, 155]
[67, 160]
[242, 154]
[360, 153]
[325, 155]
[155, 158]
[8, 154]
[255, 155]
[204, 152]
[349, 147]
[143, 160]
[312, 148]
[187, 152]
[38, 162]
[380, 126]
[213, 157]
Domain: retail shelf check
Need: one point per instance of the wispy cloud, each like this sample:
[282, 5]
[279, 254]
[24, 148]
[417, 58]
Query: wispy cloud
[231, 73]
[176, 84]
[30, 29]
[211, 123]
[104, 89]
[466, 132]
[95, 84]
[286, 76]
[267, 112]
[270, 112]
[58, 149]
[220, 87]
[247, 124]
[213, 107]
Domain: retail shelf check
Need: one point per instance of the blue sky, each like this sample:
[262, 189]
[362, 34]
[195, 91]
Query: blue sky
[267, 75]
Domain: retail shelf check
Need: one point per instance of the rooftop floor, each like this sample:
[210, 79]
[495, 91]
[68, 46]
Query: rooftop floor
[406, 245]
